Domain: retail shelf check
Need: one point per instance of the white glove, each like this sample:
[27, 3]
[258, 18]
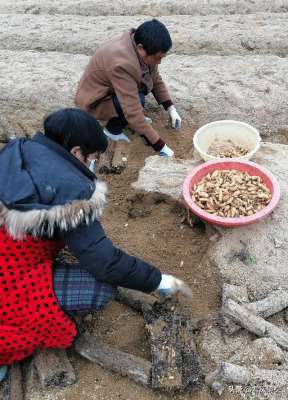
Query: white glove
[174, 117]
[116, 138]
[170, 285]
[166, 151]
[148, 120]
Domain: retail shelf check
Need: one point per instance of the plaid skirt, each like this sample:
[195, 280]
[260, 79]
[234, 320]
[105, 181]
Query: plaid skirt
[77, 290]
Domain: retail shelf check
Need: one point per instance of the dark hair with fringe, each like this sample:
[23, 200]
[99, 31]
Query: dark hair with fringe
[154, 37]
[71, 127]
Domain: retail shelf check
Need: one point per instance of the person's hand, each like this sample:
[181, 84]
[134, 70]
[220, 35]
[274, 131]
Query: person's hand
[170, 285]
[166, 151]
[174, 117]
[116, 138]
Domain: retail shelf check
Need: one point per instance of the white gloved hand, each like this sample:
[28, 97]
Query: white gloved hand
[116, 138]
[148, 120]
[174, 117]
[166, 151]
[170, 285]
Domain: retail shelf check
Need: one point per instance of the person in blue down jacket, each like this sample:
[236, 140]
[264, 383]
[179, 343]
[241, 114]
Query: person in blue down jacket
[50, 198]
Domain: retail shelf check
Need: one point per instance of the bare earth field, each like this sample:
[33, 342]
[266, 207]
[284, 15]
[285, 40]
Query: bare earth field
[229, 61]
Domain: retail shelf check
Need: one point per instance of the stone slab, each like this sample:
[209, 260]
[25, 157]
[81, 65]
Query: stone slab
[164, 175]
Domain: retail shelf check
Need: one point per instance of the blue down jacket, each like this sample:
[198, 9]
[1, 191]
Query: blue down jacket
[47, 192]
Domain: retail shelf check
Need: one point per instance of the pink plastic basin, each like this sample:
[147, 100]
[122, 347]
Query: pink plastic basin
[246, 166]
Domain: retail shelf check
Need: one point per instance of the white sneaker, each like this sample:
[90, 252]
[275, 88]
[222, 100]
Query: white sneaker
[116, 138]
[148, 120]
[166, 151]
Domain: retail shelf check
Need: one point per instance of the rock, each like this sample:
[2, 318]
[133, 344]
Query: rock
[152, 179]
[131, 7]
[229, 34]
[264, 353]
[34, 83]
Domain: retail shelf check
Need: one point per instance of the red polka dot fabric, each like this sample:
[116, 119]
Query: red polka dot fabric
[30, 316]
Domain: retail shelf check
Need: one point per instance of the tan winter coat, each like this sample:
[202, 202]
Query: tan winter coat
[115, 68]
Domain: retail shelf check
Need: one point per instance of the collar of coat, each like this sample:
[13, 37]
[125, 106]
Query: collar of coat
[45, 222]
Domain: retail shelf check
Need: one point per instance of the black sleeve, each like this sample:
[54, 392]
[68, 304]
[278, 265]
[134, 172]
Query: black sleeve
[97, 254]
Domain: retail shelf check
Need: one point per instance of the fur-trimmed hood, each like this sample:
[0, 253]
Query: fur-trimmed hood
[64, 217]
[43, 188]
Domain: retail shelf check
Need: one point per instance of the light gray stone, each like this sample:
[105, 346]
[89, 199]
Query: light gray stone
[262, 33]
[132, 7]
[163, 175]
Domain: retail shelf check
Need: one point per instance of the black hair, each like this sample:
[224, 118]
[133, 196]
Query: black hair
[71, 127]
[154, 37]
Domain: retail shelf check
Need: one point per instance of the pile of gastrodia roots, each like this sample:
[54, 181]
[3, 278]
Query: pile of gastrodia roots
[231, 193]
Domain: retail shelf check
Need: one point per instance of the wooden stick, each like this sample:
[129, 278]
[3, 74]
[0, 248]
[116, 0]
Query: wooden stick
[238, 294]
[31, 380]
[54, 368]
[231, 373]
[105, 161]
[138, 301]
[227, 372]
[120, 156]
[270, 305]
[163, 325]
[115, 158]
[192, 376]
[255, 324]
[14, 384]
[125, 364]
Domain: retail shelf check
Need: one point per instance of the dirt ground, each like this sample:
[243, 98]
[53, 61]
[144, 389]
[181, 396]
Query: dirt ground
[151, 227]
[239, 71]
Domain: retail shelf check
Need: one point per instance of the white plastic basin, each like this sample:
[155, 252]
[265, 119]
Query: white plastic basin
[239, 132]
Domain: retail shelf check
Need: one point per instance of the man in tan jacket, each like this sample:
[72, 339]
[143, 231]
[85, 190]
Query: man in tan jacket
[118, 77]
